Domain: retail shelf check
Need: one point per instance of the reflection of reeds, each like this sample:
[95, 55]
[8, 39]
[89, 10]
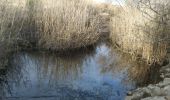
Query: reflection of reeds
[12, 16]
[137, 70]
[137, 35]
[47, 24]
[47, 66]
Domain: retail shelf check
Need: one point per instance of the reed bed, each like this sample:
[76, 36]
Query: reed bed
[49, 24]
[67, 24]
[11, 19]
[138, 35]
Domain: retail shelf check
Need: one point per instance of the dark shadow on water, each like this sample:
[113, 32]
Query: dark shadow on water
[98, 73]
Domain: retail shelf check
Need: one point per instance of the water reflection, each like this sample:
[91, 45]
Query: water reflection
[102, 74]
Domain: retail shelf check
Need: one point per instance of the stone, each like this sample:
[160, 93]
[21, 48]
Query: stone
[147, 91]
[128, 98]
[154, 98]
[167, 97]
[165, 82]
[142, 93]
[162, 75]
[167, 75]
[137, 95]
[167, 90]
[151, 86]
[165, 69]
[160, 91]
[129, 93]
[156, 91]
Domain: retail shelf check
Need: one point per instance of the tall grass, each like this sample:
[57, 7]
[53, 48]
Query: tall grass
[138, 35]
[67, 23]
[47, 24]
[13, 14]
[11, 19]
[51, 24]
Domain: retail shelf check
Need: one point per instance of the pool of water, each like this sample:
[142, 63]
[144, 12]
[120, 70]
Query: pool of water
[97, 74]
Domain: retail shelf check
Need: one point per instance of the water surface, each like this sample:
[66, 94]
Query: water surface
[98, 74]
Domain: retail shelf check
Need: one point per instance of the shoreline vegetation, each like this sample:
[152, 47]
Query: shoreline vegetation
[53, 25]
[50, 24]
[135, 33]
[139, 29]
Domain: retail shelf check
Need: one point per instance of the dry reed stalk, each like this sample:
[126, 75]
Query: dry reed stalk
[51, 24]
[136, 35]
[67, 24]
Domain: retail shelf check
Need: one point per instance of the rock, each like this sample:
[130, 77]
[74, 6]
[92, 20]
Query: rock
[137, 96]
[167, 97]
[167, 75]
[160, 91]
[165, 70]
[128, 98]
[153, 90]
[164, 83]
[162, 75]
[147, 91]
[156, 91]
[154, 98]
[151, 86]
[142, 93]
[167, 90]
[129, 93]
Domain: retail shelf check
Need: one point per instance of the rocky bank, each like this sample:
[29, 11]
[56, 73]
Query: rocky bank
[159, 91]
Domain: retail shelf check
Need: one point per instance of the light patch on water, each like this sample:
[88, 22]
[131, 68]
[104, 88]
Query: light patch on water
[100, 74]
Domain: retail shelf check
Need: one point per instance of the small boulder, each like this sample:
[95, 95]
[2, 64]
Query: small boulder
[167, 90]
[156, 91]
[154, 98]
[164, 83]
